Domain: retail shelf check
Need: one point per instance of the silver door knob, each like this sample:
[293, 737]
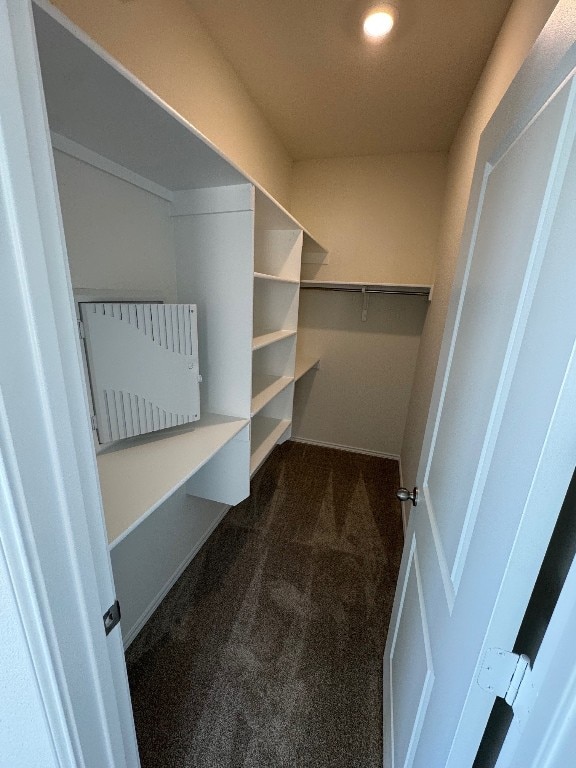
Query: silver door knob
[404, 494]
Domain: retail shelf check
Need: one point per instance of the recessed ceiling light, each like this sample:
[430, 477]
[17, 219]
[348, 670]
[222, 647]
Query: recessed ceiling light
[379, 20]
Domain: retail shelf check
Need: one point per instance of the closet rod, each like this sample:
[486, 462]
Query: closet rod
[402, 290]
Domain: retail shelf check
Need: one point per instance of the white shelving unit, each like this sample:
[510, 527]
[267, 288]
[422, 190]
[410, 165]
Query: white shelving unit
[137, 479]
[266, 433]
[277, 258]
[150, 206]
[265, 338]
[304, 364]
[265, 388]
[274, 278]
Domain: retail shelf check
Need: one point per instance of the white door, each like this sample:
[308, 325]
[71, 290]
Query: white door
[51, 524]
[501, 438]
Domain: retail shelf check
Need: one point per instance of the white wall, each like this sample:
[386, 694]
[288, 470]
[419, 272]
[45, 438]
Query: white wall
[164, 44]
[523, 24]
[117, 235]
[378, 217]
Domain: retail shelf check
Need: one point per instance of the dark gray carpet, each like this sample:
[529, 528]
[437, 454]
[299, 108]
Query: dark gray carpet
[268, 650]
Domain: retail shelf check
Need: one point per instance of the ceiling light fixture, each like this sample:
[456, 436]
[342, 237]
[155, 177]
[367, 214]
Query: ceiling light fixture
[379, 20]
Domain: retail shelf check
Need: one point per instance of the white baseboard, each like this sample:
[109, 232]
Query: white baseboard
[132, 633]
[350, 448]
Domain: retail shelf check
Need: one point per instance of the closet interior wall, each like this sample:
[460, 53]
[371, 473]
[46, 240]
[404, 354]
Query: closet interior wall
[152, 212]
[378, 217]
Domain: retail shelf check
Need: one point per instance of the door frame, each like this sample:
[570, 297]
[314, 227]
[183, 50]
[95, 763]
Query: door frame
[548, 65]
[52, 526]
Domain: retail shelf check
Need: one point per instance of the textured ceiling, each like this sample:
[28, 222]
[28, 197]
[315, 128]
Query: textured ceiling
[328, 93]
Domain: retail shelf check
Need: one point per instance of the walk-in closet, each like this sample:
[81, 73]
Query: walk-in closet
[234, 259]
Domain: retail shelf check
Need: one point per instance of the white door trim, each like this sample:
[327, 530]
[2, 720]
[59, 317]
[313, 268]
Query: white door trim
[52, 528]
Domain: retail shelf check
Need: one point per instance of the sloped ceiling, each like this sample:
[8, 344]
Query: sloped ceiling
[328, 93]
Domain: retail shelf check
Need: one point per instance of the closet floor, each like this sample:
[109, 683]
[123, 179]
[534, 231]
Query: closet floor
[267, 652]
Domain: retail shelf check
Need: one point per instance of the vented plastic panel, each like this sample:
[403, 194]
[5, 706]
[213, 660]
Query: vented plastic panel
[143, 366]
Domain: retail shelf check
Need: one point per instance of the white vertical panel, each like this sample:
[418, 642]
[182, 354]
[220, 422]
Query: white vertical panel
[143, 366]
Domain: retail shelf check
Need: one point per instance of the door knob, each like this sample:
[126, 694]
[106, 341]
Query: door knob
[404, 494]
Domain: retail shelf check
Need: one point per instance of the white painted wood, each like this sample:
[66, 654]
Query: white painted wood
[265, 388]
[278, 252]
[266, 337]
[226, 477]
[133, 370]
[271, 215]
[274, 278]
[149, 561]
[65, 582]
[96, 102]
[500, 445]
[276, 360]
[543, 730]
[304, 365]
[266, 432]
[118, 236]
[213, 200]
[312, 253]
[275, 306]
[410, 654]
[24, 732]
[270, 426]
[138, 479]
[214, 267]
[52, 527]
[77, 151]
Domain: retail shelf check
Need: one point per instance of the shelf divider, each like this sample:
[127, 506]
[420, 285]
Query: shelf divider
[265, 388]
[265, 434]
[264, 338]
[275, 278]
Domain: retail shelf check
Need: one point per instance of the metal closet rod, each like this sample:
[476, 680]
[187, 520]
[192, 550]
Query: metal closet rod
[400, 290]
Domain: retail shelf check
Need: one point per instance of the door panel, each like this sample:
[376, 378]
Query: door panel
[411, 674]
[476, 539]
[501, 260]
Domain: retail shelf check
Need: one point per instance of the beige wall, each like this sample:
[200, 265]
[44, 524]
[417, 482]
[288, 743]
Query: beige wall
[524, 22]
[165, 46]
[378, 216]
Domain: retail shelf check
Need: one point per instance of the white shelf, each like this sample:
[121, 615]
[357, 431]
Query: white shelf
[264, 338]
[136, 480]
[96, 102]
[265, 434]
[305, 364]
[275, 279]
[265, 388]
[392, 288]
